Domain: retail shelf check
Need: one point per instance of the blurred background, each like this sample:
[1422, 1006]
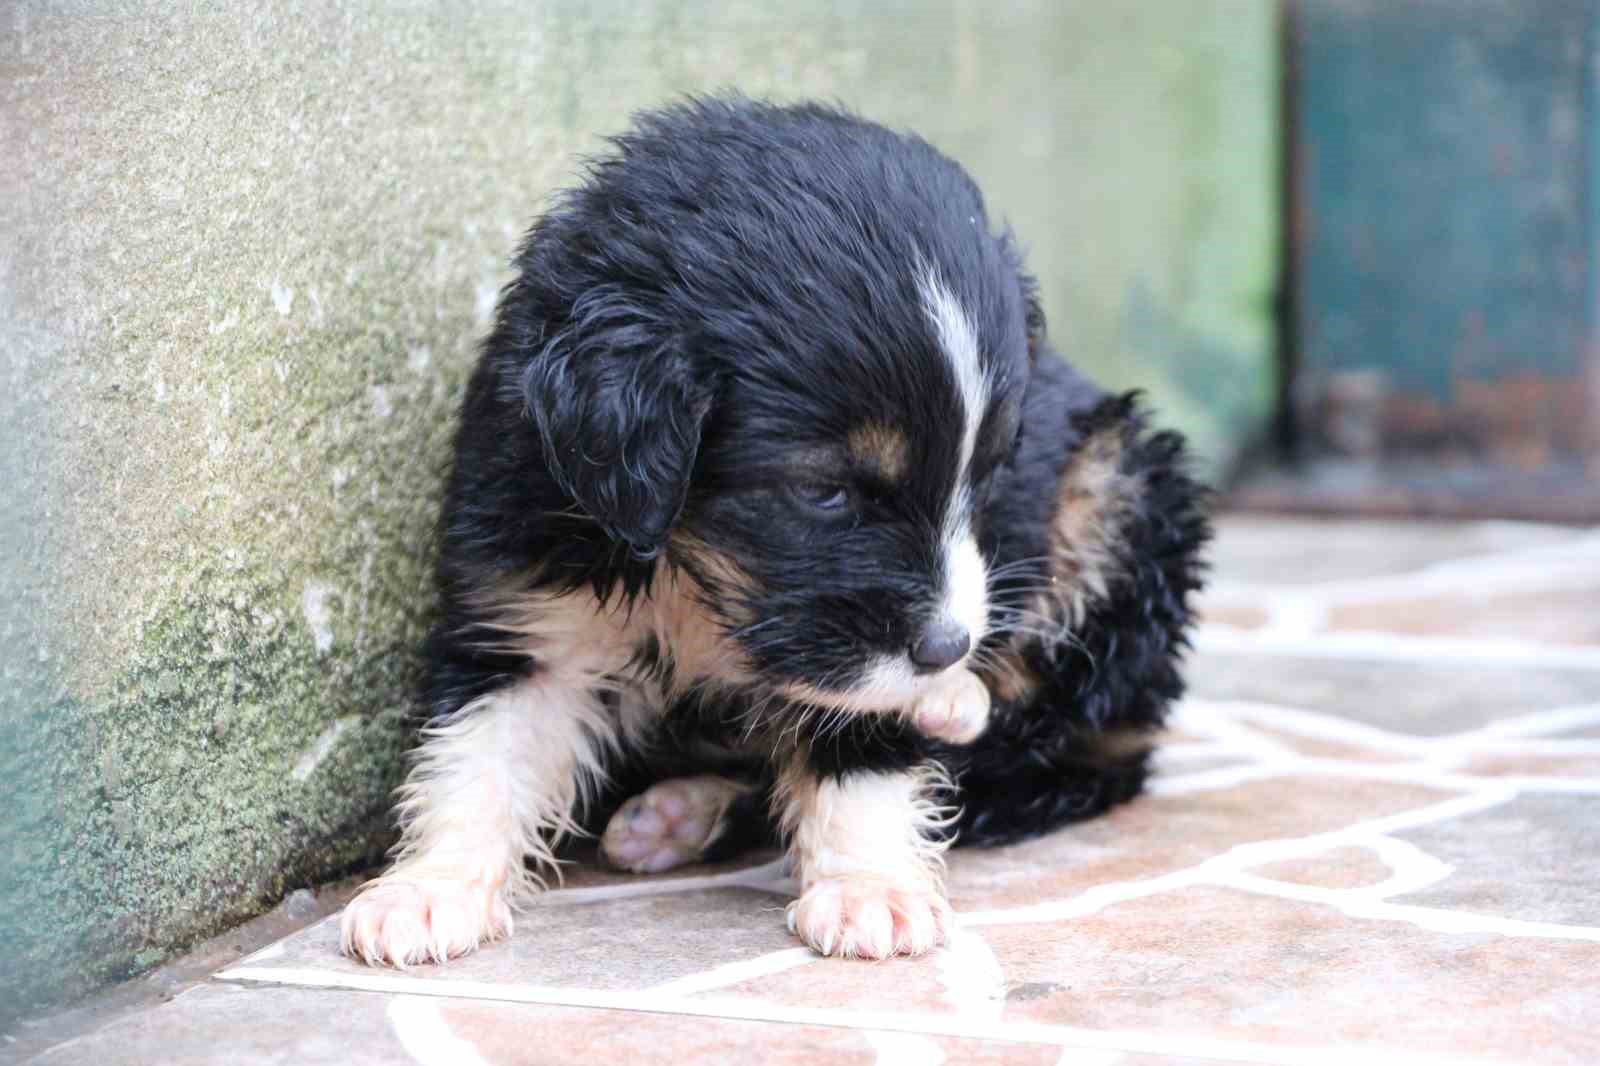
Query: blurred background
[246, 253]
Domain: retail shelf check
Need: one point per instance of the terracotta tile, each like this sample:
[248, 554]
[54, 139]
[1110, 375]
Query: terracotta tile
[1260, 549]
[914, 985]
[1338, 868]
[1215, 963]
[1564, 615]
[638, 942]
[500, 1034]
[1318, 748]
[1536, 858]
[1489, 765]
[1425, 699]
[257, 1026]
[1237, 966]
[246, 1026]
[1180, 752]
[1238, 615]
[1159, 834]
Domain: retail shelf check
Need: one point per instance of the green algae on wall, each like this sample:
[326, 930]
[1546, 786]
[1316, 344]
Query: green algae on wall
[170, 805]
[245, 257]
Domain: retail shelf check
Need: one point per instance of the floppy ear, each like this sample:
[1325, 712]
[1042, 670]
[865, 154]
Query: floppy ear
[620, 405]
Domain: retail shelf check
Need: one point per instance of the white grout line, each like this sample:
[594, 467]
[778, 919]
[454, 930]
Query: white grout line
[1544, 569]
[1173, 756]
[1289, 613]
[1231, 721]
[272, 950]
[1236, 859]
[1411, 869]
[1538, 724]
[1494, 795]
[1310, 725]
[1201, 716]
[1081, 1057]
[1214, 780]
[1427, 774]
[973, 979]
[1537, 746]
[1394, 647]
[1550, 786]
[733, 973]
[426, 1036]
[903, 1049]
[1434, 919]
[974, 983]
[1184, 1045]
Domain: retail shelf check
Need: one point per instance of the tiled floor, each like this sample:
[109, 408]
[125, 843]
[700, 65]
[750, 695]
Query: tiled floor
[1375, 839]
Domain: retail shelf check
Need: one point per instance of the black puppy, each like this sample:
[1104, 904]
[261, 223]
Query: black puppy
[768, 486]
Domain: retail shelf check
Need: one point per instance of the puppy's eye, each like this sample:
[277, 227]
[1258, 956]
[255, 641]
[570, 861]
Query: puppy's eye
[829, 497]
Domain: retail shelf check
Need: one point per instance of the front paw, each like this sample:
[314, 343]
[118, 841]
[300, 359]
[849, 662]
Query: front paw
[401, 921]
[956, 712]
[869, 918]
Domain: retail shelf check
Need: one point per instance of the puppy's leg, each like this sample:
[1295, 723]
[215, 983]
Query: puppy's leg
[674, 822]
[956, 711]
[492, 786]
[870, 869]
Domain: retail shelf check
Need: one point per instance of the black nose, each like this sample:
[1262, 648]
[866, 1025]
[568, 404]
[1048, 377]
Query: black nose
[942, 644]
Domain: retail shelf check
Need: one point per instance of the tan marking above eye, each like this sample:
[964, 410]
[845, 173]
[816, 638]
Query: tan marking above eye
[882, 449]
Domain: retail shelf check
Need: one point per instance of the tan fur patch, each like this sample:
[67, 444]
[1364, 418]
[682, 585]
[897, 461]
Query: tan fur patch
[590, 644]
[1117, 745]
[1092, 501]
[882, 449]
[686, 626]
[1009, 678]
[716, 575]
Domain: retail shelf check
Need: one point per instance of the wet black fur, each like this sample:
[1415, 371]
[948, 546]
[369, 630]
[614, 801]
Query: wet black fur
[729, 289]
[1043, 762]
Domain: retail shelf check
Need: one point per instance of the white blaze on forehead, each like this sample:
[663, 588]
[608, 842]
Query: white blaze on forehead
[966, 594]
[958, 340]
[966, 577]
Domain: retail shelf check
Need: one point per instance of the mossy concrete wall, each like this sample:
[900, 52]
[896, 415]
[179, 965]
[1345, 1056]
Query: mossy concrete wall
[246, 251]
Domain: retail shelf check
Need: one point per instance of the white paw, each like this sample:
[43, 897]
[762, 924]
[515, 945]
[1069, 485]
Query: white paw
[956, 712]
[868, 918]
[669, 824]
[403, 921]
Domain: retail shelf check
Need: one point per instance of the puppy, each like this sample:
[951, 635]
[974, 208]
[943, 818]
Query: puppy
[772, 503]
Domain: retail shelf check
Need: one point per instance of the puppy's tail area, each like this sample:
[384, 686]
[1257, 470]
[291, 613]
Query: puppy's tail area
[1012, 796]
